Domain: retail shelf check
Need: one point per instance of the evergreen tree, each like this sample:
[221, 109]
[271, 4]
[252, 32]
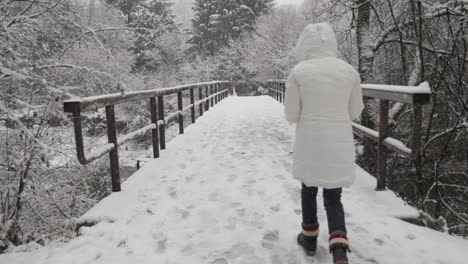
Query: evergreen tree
[127, 7]
[151, 20]
[216, 22]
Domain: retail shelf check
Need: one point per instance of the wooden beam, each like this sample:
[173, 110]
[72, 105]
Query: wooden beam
[96, 102]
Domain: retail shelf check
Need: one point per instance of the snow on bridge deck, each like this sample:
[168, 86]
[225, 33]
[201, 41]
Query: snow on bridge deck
[222, 193]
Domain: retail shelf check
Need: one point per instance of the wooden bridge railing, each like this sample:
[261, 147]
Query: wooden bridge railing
[209, 93]
[414, 95]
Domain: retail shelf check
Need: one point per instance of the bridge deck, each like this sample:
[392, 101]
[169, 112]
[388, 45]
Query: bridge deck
[222, 193]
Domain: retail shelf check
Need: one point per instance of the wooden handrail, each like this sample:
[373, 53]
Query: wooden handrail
[218, 90]
[414, 95]
[100, 101]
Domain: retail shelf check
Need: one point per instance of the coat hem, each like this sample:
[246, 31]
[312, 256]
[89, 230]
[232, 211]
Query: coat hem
[326, 185]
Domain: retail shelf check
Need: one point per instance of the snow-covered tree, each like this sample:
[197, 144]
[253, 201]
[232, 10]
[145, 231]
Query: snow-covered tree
[151, 20]
[216, 22]
[405, 43]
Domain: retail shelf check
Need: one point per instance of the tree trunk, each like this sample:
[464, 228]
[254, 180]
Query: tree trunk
[366, 63]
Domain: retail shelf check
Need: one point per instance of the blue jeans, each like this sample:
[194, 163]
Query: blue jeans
[333, 207]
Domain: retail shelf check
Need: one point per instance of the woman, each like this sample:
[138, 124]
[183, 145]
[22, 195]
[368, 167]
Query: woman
[323, 95]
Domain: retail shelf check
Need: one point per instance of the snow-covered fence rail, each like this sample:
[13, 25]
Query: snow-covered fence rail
[209, 93]
[414, 95]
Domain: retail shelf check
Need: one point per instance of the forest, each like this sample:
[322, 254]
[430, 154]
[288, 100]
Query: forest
[53, 50]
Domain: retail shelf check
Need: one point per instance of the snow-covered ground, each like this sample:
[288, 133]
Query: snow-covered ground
[222, 193]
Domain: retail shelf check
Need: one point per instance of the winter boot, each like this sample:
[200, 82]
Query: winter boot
[308, 239]
[309, 244]
[338, 248]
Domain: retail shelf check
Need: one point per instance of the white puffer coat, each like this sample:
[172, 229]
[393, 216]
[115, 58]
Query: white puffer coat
[323, 95]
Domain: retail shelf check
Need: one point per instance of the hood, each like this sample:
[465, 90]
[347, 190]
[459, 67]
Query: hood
[316, 41]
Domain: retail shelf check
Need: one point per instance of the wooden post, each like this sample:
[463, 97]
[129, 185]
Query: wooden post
[272, 85]
[221, 87]
[223, 94]
[216, 92]
[284, 92]
[269, 88]
[276, 92]
[181, 115]
[272, 90]
[207, 102]
[382, 150]
[162, 127]
[200, 97]
[280, 88]
[416, 137]
[416, 145]
[154, 132]
[113, 155]
[211, 93]
[78, 136]
[192, 102]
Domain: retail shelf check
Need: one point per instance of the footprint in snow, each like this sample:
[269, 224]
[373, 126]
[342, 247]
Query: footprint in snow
[239, 250]
[160, 240]
[269, 239]
[258, 220]
[235, 204]
[275, 208]
[219, 261]
[289, 258]
[232, 177]
[122, 243]
[183, 214]
[149, 211]
[240, 211]
[379, 241]
[172, 193]
[280, 176]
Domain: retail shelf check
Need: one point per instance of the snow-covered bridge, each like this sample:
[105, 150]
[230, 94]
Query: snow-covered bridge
[222, 193]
